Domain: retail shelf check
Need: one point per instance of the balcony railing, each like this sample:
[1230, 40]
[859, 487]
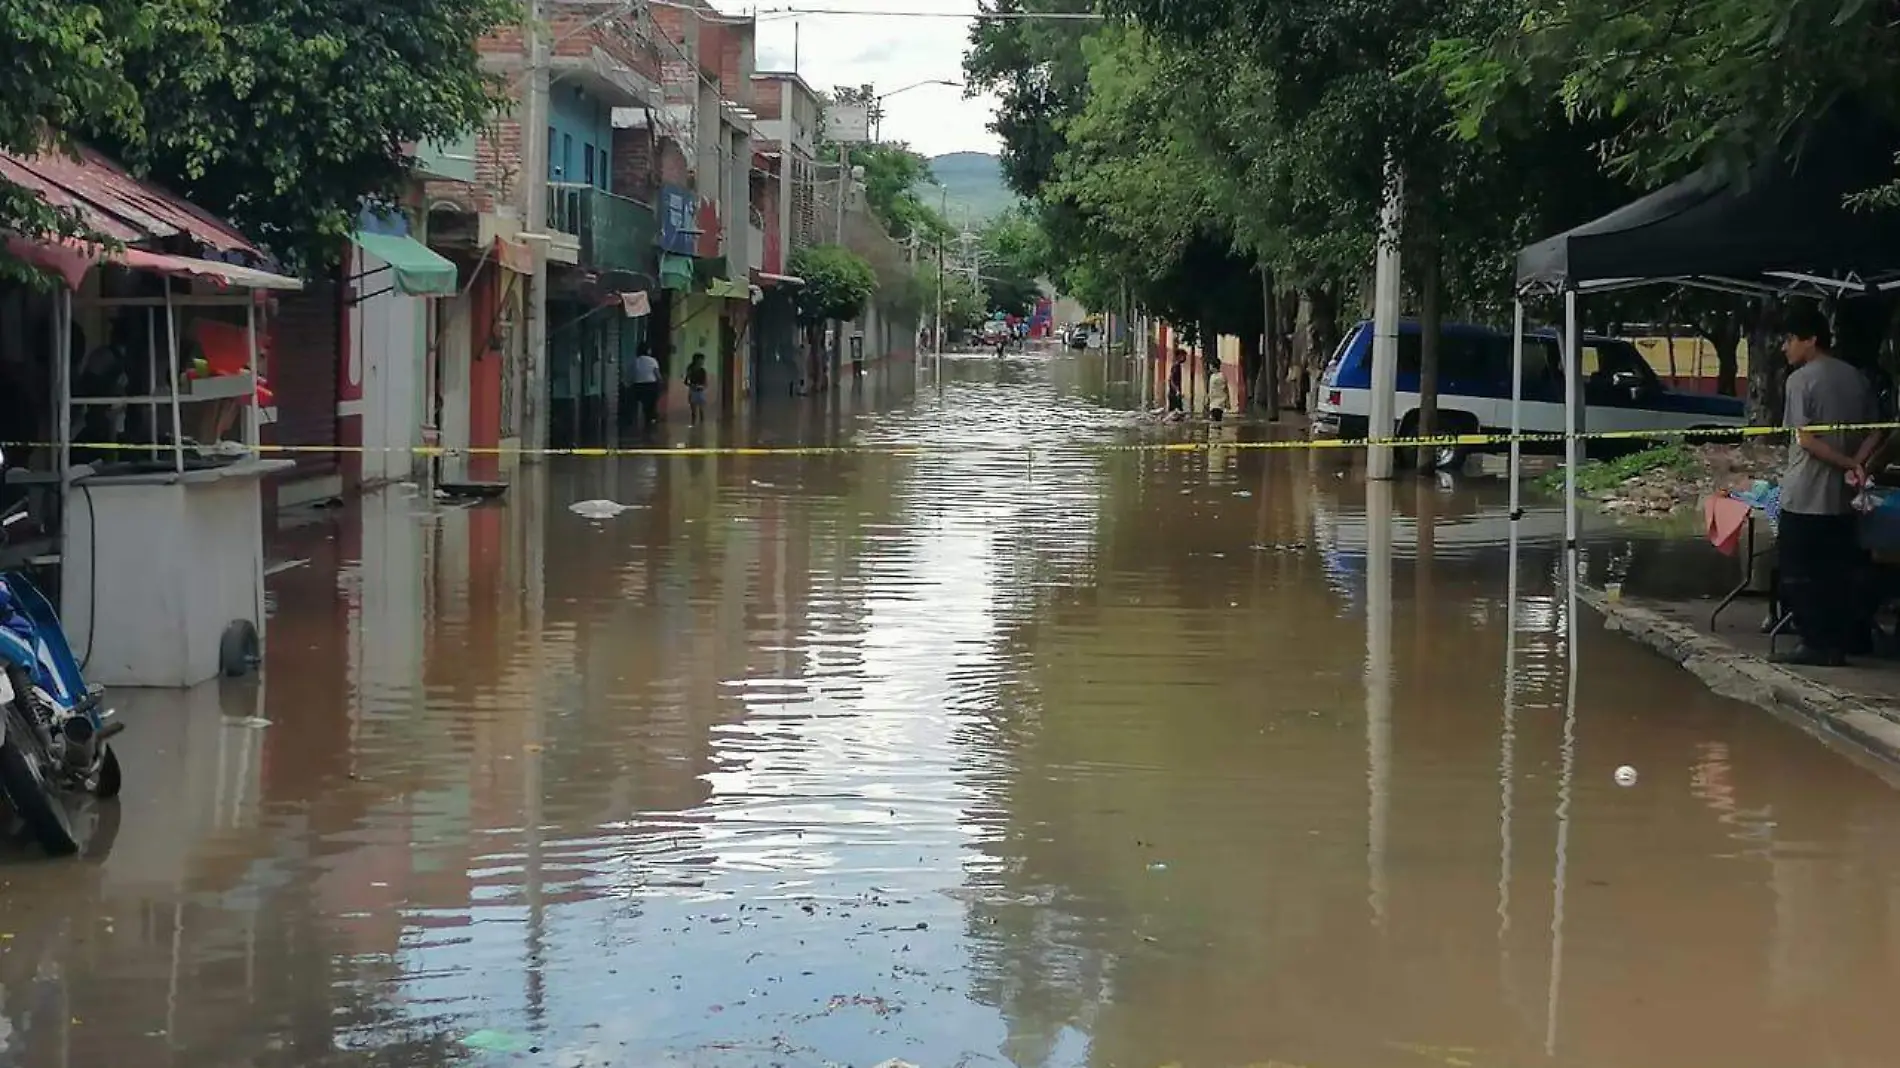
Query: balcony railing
[616, 233]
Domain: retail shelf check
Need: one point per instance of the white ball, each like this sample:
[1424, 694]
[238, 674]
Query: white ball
[1626, 776]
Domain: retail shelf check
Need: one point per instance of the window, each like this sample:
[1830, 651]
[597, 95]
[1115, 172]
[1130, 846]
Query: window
[1603, 359]
[1541, 365]
[1462, 357]
[603, 169]
[554, 165]
[587, 163]
[567, 155]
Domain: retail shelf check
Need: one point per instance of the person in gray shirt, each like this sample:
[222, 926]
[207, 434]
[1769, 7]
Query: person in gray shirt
[1819, 546]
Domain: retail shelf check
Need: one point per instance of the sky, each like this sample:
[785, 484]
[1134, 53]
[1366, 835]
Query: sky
[886, 51]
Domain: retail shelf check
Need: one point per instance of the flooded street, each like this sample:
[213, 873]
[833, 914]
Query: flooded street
[1015, 750]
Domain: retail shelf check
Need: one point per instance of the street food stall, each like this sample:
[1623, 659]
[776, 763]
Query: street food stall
[149, 453]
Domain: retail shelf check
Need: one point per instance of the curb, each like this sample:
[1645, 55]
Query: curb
[1845, 720]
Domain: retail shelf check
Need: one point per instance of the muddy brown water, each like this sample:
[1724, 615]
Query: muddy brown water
[1013, 752]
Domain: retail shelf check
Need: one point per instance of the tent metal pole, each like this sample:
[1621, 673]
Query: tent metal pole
[151, 378]
[171, 349]
[255, 417]
[1517, 400]
[63, 393]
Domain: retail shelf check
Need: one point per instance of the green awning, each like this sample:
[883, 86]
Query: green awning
[676, 272]
[727, 288]
[419, 272]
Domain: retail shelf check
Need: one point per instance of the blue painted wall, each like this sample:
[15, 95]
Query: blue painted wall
[578, 124]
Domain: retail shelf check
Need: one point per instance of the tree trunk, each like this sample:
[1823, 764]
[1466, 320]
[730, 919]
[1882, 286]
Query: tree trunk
[1766, 362]
[1210, 350]
[1251, 359]
[1318, 334]
[1286, 304]
[1431, 316]
[1725, 333]
[1267, 385]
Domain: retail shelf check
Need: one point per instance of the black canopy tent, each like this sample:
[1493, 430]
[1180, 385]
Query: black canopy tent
[1783, 226]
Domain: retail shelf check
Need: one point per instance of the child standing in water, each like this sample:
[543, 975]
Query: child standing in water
[696, 387]
[1217, 392]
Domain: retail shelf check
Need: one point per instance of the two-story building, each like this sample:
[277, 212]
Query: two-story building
[784, 177]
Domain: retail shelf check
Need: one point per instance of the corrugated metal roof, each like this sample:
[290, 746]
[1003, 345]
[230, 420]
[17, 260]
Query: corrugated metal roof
[117, 204]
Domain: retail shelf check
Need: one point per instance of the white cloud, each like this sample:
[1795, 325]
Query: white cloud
[889, 52]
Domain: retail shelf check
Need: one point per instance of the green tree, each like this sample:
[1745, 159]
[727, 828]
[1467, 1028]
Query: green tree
[65, 70]
[286, 116]
[892, 173]
[1011, 256]
[1679, 83]
[964, 305]
[838, 283]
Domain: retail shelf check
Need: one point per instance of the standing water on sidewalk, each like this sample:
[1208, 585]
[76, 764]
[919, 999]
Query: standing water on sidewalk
[1012, 750]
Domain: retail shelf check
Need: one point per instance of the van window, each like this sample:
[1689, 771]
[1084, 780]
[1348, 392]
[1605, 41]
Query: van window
[1606, 358]
[1541, 364]
[1461, 357]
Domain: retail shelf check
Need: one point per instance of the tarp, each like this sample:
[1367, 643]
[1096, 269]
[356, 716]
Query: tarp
[676, 272]
[117, 205]
[418, 271]
[71, 259]
[728, 289]
[1778, 219]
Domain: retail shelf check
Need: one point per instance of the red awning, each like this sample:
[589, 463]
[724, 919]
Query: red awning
[70, 260]
[115, 204]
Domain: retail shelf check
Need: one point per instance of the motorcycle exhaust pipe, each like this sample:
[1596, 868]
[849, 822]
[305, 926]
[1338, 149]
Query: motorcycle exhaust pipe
[81, 743]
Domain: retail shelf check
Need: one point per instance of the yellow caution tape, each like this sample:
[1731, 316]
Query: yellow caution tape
[1304, 444]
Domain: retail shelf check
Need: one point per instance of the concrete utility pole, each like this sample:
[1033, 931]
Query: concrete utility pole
[936, 342]
[1385, 323]
[844, 186]
[532, 374]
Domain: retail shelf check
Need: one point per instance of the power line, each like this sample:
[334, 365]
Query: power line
[984, 16]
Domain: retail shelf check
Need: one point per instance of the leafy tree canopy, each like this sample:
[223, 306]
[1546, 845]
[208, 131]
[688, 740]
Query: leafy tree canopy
[1675, 84]
[892, 173]
[1012, 253]
[838, 283]
[285, 116]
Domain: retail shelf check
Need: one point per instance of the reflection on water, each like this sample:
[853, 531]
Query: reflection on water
[1014, 751]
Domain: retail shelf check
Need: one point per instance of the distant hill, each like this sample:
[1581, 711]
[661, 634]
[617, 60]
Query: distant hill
[975, 184]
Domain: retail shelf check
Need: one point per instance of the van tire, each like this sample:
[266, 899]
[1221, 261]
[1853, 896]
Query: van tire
[1449, 457]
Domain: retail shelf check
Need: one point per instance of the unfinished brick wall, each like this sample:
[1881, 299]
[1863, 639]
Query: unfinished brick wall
[575, 30]
[804, 205]
[498, 170]
[303, 370]
[634, 171]
[675, 168]
[767, 97]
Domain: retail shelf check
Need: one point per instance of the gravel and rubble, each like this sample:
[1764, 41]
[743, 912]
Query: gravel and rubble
[1657, 482]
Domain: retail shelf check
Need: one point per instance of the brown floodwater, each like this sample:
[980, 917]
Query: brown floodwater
[1017, 750]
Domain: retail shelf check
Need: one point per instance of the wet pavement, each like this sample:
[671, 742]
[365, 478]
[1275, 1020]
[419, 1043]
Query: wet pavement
[1016, 751]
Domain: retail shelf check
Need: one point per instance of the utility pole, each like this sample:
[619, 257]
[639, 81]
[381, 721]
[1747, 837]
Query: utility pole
[1385, 323]
[532, 374]
[936, 344]
[844, 186]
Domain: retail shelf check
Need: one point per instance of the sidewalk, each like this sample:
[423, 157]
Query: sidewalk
[1855, 709]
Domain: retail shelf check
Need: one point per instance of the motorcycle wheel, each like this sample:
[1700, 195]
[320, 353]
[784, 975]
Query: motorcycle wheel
[23, 761]
[108, 781]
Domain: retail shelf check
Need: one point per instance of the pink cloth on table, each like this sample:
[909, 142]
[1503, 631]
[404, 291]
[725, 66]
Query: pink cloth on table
[1723, 518]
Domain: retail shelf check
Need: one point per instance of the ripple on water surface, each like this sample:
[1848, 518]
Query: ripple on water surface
[1016, 749]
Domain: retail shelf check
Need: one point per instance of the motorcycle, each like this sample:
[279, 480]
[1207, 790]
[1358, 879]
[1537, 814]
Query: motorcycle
[55, 734]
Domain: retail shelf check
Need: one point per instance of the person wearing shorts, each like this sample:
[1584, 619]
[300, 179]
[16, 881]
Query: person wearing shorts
[1217, 395]
[696, 388]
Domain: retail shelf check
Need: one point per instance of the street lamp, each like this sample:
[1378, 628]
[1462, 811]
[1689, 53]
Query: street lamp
[877, 113]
